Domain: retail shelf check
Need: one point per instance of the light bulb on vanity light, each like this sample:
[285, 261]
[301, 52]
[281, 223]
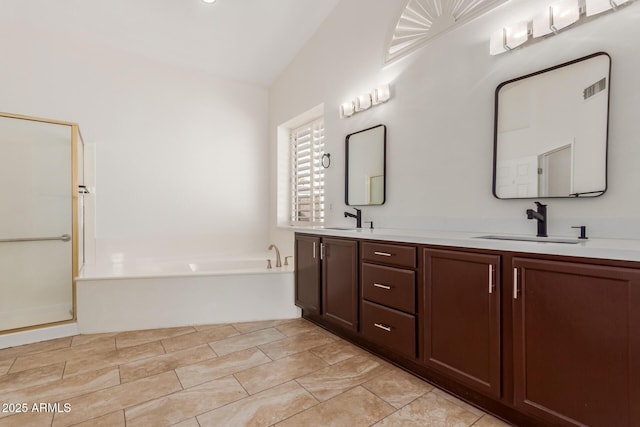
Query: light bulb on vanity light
[347, 109]
[509, 37]
[380, 94]
[559, 15]
[363, 102]
[209, 1]
[593, 7]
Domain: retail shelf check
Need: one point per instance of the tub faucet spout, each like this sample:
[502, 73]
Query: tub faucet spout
[278, 260]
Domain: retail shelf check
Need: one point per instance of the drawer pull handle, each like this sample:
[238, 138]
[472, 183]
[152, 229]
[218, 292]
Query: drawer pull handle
[378, 285]
[382, 253]
[386, 328]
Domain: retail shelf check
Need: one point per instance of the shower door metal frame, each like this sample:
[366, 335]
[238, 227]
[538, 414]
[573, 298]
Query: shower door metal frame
[77, 159]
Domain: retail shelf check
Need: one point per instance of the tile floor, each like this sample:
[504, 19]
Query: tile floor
[274, 373]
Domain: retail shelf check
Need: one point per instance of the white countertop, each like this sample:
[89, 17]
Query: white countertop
[614, 249]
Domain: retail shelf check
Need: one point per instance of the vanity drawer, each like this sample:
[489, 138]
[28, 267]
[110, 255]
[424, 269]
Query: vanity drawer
[393, 287]
[390, 328]
[403, 256]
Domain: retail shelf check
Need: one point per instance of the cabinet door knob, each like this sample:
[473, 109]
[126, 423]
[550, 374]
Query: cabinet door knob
[386, 328]
[379, 285]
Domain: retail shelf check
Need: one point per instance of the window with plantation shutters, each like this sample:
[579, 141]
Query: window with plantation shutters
[307, 173]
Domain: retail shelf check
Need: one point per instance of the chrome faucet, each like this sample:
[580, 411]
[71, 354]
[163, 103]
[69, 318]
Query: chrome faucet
[541, 216]
[357, 216]
[278, 260]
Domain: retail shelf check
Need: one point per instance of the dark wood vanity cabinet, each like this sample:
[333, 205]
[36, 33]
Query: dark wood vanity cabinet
[340, 282]
[326, 279]
[462, 317]
[307, 273]
[540, 340]
[388, 283]
[576, 342]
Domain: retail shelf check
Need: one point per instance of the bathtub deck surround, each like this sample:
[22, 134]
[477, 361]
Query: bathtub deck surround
[282, 373]
[146, 295]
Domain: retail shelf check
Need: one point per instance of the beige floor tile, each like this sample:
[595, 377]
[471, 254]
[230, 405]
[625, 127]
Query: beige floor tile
[113, 358]
[102, 402]
[220, 367]
[199, 337]
[185, 404]
[337, 351]
[458, 402]
[262, 409]
[5, 365]
[64, 389]
[133, 338]
[297, 327]
[246, 327]
[354, 408]
[114, 419]
[430, 410]
[489, 421]
[295, 344]
[191, 422]
[38, 347]
[242, 342]
[94, 338]
[64, 354]
[28, 419]
[335, 379]
[166, 362]
[397, 387]
[30, 377]
[281, 371]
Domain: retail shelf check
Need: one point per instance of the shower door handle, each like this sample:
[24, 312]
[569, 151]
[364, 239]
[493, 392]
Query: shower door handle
[64, 238]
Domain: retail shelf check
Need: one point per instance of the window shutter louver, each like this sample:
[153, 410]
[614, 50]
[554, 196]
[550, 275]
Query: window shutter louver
[307, 173]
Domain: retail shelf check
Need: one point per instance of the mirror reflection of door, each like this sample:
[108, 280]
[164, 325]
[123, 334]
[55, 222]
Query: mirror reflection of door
[555, 172]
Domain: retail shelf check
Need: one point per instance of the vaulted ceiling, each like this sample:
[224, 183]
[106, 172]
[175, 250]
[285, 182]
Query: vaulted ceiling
[246, 40]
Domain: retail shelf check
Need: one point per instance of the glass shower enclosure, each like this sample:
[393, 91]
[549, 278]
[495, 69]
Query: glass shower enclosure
[40, 232]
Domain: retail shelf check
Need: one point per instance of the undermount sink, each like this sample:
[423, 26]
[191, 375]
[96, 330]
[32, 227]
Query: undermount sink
[532, 239]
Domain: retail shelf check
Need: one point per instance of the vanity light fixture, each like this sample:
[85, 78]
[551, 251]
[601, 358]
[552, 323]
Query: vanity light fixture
[209, 1]
[557, 16]
[377, 96]
[598, 6]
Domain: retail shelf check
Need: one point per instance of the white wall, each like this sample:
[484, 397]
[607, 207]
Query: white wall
[440, 118]
[179, 155]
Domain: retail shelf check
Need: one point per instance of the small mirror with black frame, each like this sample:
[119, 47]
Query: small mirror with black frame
[366, 167]
[550, 131]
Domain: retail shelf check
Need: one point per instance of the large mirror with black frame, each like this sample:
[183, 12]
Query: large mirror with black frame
[365, 166]
[550, 135]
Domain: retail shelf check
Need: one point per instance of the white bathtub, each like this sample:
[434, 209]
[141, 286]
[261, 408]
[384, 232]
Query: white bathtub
[150, 294]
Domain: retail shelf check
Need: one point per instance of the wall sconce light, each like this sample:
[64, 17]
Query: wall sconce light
[347, 109]
[379, 95]
[598, 6]
[559, 15]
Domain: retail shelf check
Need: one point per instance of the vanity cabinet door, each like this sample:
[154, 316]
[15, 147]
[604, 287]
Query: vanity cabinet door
[340, 282]
[576, 342]
[307, 273]
[462, 317]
